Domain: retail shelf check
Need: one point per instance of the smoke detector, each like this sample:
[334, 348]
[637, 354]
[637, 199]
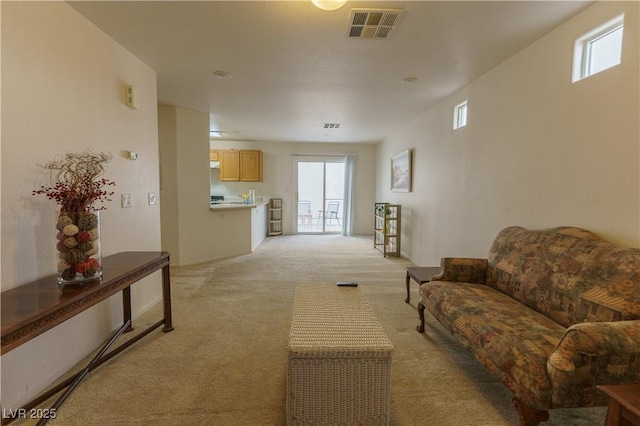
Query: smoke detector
[373, 23]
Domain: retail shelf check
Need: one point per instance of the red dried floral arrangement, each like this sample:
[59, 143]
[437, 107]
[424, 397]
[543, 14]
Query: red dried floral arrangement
[76, 186]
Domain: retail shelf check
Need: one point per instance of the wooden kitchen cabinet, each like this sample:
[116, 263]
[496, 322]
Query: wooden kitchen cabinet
[251, 166]
[214, 155]
[229, 165]
[240, 165]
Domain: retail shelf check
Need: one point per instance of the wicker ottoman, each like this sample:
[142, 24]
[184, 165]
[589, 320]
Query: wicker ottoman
[339, 370]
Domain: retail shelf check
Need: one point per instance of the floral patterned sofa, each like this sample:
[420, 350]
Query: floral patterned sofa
[552, 313]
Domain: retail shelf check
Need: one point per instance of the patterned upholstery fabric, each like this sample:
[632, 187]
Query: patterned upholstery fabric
[567, 274]
[552, 313]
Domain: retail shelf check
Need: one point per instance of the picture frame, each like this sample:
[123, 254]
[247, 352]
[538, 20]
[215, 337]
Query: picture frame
[401, 172]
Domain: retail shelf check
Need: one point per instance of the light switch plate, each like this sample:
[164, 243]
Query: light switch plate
[152, 198]
[126, 200]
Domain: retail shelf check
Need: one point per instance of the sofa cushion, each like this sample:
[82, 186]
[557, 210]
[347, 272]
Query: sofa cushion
[568, 274]
[511, 340]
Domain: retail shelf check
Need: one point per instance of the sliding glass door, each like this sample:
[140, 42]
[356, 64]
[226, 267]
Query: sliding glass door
[320, 189]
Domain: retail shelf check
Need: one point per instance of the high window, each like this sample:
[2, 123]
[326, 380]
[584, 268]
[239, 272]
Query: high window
[460, 115]
[598, 50]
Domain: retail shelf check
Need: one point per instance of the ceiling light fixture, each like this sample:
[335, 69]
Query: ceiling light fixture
[215, 133]
[329, 4]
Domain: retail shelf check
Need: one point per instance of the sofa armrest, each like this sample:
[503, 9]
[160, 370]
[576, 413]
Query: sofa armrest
[591, 354]
[463, 270]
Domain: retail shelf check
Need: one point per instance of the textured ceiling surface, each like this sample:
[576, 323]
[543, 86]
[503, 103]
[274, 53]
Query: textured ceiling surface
[294, 68]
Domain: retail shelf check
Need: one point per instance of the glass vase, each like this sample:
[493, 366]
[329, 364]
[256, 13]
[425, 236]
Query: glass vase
[78, 246]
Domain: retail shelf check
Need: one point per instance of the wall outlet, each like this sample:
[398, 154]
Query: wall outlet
[126, 200]
[152, 198]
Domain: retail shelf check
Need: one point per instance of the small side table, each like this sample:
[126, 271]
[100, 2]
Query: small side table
[421, 275]
[624, 404]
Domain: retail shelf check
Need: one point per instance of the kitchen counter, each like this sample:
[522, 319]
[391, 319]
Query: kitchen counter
[246, 222]
[237, 206]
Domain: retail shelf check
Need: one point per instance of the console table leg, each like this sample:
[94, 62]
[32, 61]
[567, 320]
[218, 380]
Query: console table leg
[80, 376]
[166, 299]
[126, 308]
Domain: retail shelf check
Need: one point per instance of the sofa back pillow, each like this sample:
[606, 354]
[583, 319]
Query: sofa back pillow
[567, 274]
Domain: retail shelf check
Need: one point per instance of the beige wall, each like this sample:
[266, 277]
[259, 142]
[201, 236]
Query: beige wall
[278, 182]
[538, 150]
[167, 145]
[191, 232]
[63, 91]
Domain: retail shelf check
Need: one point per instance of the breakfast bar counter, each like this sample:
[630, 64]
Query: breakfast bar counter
[245, 225]
[237, 206]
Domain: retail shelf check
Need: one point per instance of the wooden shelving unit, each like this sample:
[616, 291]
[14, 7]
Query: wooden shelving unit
[387, 228]
[275, 216]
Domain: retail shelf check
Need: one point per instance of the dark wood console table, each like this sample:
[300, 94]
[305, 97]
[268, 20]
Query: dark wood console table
[31, 309]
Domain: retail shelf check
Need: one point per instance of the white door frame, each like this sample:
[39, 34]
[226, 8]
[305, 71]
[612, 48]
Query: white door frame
[310, 159]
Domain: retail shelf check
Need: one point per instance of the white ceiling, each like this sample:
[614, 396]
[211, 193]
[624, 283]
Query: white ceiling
[294, 68]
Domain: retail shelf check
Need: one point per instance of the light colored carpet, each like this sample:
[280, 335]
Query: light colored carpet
[225, 362]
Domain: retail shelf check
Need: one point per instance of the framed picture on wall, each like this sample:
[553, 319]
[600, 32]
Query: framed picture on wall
[401, 172]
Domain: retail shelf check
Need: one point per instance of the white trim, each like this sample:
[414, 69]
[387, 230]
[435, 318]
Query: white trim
[305, 158]
[582, 48]
[460, 115]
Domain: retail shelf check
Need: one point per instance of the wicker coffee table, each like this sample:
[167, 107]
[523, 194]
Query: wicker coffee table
[339, 369]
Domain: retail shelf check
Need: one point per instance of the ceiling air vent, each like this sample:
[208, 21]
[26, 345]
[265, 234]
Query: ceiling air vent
[332, 125]
[372, 23]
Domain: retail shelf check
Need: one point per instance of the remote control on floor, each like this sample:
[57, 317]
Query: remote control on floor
[347, 284]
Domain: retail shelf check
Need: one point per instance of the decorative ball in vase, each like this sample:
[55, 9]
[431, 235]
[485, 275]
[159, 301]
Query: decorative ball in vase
[79, 255]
